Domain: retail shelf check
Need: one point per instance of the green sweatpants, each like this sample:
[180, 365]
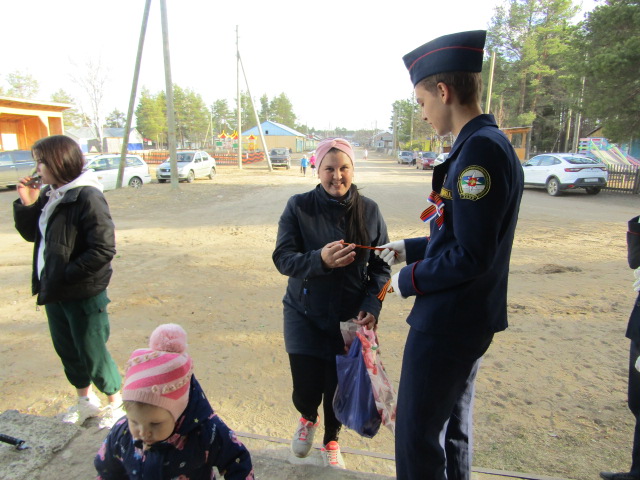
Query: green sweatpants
[79, 331]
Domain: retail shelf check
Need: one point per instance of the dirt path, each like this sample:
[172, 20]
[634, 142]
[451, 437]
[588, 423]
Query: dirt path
[552, 388]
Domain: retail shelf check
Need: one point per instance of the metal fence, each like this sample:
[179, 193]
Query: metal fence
[155, 157]
[623, 179]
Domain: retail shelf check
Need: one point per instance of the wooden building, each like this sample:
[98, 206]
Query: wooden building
[23, 122]
[111, 139]
[278, 135]
[520, 138]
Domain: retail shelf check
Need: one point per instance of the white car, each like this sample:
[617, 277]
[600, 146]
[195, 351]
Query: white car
[192, 164]
[136, 171]
[440, 159]
[563, 171]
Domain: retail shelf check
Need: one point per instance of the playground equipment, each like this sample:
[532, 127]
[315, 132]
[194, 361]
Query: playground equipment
[606, 152]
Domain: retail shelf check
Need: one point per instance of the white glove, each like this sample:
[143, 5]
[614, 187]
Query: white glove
[395, 283]
[636, 284]
[638, 364]
[394, 252]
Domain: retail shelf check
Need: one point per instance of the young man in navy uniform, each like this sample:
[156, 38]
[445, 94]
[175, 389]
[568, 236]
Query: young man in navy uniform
[633, 334]
[458, 275]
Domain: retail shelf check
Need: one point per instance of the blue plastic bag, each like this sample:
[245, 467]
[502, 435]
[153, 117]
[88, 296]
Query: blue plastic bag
[353, 403]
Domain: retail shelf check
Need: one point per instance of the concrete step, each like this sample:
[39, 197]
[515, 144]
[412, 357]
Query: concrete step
[61, 450]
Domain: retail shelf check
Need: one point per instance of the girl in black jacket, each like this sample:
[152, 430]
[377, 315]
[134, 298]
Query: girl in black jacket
[329, 282]
[69, 222]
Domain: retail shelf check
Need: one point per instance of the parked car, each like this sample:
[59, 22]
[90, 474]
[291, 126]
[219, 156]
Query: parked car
[440, 159]
[136, 171]
[563, 171]
[280, 157]
[425, 160]
[191, 164]
[15, 164]
[405, 157]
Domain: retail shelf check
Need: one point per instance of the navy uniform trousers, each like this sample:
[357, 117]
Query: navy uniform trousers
[633, 395]
[633, 334]
[437, 385]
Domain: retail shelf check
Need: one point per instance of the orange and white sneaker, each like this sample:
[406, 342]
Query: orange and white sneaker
[303, 438]
[332, 456]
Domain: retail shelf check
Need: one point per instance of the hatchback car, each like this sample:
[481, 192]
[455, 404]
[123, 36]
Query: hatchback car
[563, 171]
[136, 170]
[192, 164]
[425, 160]
[405, 157]
[14, 165]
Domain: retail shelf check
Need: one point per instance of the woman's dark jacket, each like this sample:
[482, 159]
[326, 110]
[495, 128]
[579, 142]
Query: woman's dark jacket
[79, 244]
[633, 251]
[319, 298]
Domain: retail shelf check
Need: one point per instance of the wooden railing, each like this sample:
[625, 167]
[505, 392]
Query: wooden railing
[623, 179]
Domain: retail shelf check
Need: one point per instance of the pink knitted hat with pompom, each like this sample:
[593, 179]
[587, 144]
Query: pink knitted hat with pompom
[161, 374]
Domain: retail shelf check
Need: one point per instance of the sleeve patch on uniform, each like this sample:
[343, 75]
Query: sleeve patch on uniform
[446, 193]
[474, 183]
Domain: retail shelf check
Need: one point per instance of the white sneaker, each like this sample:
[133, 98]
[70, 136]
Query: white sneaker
[332, 456]
[86, 407]
[303, 438]
[110, 415]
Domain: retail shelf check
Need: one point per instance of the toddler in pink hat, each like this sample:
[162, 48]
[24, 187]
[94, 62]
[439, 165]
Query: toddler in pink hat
[170, 429]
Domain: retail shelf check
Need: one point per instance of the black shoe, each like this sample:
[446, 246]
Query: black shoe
[619, 476]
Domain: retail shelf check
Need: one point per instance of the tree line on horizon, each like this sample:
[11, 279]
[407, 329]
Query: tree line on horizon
[560, 77]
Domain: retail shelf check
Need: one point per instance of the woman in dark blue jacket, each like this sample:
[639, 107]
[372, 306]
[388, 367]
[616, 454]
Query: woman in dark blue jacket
[330, 282]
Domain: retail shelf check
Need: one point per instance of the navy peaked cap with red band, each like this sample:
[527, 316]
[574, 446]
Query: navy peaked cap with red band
[457, 52]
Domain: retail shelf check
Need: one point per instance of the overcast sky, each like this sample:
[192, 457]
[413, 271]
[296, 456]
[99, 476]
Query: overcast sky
[338, 62]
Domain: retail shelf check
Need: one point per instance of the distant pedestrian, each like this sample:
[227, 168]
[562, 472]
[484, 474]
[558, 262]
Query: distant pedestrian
[366, 153]
[304, 163]
[312, 162]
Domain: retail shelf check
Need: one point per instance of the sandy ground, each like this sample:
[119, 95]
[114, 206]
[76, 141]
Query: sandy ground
[551, 394]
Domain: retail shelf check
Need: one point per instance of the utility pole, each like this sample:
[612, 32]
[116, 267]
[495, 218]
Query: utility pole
[395, 132]
[171, 118]
[132, 98]
[239, 102]
[413, 101]
[576, 133]
[255, 113]
[490, 86]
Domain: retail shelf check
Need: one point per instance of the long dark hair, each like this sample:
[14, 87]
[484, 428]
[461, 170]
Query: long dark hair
[356, 225]
[62, 156]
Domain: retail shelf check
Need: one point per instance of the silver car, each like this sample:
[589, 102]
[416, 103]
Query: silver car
[192, 164]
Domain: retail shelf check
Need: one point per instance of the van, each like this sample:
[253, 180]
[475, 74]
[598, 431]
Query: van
[280, 157]
[14, 165]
